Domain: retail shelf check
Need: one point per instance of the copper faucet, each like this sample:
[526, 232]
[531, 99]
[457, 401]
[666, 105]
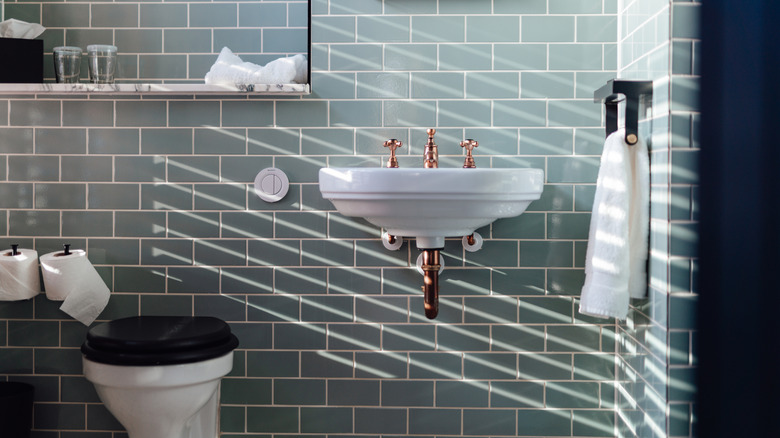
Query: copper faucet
[431, 262]
[431, 154]
[430, 288]
[469, 144]
[430, 257]
[393, 144]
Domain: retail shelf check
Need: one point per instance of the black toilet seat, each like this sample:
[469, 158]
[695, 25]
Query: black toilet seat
[158, 340]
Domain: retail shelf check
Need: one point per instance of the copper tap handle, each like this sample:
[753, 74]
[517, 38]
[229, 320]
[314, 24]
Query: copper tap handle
[393, 144]
[469, 144]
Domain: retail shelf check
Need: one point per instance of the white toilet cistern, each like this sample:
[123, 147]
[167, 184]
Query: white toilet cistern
[431, 203]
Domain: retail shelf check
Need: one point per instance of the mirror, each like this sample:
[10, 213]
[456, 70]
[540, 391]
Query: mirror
[168, 46]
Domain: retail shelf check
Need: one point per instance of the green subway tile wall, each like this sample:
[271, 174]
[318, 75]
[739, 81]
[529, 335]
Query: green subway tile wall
[656, 352]
[158, 189]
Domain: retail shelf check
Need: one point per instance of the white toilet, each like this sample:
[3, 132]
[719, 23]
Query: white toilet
[160, 375]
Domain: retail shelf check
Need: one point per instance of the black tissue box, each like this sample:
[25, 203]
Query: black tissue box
[22, 61]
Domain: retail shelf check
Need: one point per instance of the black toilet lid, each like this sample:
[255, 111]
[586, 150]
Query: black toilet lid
[158, 340]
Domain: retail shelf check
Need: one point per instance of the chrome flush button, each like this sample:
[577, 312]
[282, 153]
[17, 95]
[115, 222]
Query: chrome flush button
[271, 184]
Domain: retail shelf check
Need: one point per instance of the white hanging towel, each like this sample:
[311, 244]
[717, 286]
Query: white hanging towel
[615, 261]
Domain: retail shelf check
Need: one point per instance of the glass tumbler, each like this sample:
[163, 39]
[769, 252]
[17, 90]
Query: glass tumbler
[67, 64]
[102, 63]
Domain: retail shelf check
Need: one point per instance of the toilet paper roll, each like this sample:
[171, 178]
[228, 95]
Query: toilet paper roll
[19, 279]
[72, 278]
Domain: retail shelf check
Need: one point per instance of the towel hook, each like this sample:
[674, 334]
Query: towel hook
[632, 92]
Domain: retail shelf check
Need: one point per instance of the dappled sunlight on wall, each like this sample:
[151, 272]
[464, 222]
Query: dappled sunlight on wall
[334, 341]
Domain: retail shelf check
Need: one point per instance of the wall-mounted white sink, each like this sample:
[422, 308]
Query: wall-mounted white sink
[431, 204]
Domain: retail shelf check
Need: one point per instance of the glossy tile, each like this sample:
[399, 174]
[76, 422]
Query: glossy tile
[34, 113]
[187, 41]
[434, 421]
[444, 28]
[383, 29]
[493, 85]
[16, 195]
[60, 196]
[60, 141]
[65, 15]
[114, 15]
[86, 113]
[547, 28]
[259, 14]
[370, 420]
[410, 57]
[489, 422]
[492, 29]
[87, 223]
[516, 395]
[356, 57]
[460, 57]
[163, 15]
[285, 40]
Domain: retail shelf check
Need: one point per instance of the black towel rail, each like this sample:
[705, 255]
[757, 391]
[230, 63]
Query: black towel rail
[633, 92]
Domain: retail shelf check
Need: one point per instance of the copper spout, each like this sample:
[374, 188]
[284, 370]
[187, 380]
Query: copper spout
[431, 154]
[469, 144]
[393, 144]
[470, 238]
[430, 267]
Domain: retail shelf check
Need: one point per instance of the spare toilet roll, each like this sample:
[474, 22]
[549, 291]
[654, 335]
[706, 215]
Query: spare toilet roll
[19, 278]
[72, 278]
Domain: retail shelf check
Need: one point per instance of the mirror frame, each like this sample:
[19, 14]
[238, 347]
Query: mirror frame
[165, 89]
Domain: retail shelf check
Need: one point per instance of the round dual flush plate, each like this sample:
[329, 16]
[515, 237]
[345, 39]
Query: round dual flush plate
[271, 184]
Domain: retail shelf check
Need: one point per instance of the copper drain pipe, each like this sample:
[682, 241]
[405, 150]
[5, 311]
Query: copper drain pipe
[430, 267]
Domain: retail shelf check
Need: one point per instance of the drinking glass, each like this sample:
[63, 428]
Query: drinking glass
[102, 63]
[67, 64]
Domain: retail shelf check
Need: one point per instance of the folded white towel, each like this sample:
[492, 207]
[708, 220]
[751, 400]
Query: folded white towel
[229, 69]
[617, 243]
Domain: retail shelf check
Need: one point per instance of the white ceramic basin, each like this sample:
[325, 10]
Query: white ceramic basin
[430, 204]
